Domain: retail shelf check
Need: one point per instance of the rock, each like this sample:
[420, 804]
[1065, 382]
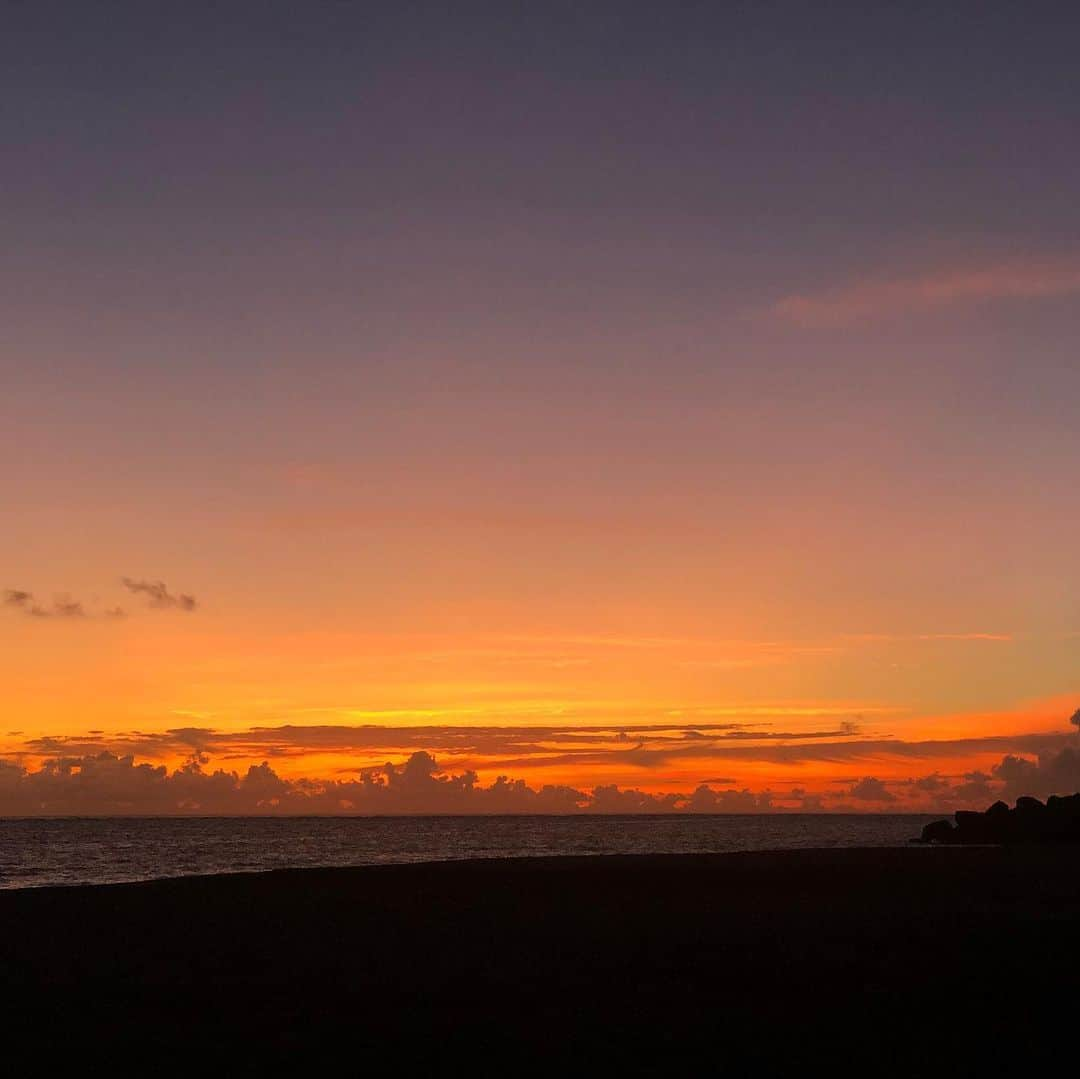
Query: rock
[975, 827]
[938, 831]
[1058, 821]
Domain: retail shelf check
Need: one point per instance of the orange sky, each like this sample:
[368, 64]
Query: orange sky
[785, 719]
[580, 375]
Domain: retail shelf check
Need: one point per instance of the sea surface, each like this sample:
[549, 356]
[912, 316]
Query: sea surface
[66, 851]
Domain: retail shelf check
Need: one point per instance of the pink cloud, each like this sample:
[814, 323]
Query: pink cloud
[866, 300]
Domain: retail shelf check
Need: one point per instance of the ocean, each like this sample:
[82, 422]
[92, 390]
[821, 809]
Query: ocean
[67, 851]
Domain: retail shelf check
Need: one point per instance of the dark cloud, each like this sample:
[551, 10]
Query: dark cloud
[975, 789]
[706, 800]
[97, 773]
[1051, 773]
[157, 595]
[61, 607]
[610, 799]
[732, 747]
[870, 789]
[107, 784]
[682, 745]
[514, 748]
[806, 803]
[932, 783]
[1055, 769]
[497, 747]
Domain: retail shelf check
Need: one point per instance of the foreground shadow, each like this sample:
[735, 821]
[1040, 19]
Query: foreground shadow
[745, 964]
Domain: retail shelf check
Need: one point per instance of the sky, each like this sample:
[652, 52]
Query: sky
[641, 402]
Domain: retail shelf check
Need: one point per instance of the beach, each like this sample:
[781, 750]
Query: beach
[920, 954]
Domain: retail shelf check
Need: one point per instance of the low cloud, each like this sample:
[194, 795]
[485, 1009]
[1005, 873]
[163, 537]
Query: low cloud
[870, 789]
[1050, 773]
[706, 800]
[932, 784]
[158, 596]
[610, 799]
[106, 784]
[1054, 769]
[97, 773]
[974, 790]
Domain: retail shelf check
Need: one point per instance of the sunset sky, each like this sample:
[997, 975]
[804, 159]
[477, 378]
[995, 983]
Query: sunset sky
[622, 399]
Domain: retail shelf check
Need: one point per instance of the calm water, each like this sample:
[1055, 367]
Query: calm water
[40, 852]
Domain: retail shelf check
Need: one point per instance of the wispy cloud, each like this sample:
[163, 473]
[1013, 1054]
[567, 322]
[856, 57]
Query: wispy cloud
[488, 746]
[993, 638]
[643, 745]
[61, 607]
[64, 607]
[998, 637]
[157, 595]
[867, 300]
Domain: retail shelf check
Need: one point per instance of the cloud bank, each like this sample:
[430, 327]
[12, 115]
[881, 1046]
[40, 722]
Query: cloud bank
[106, 784]
[80, 776]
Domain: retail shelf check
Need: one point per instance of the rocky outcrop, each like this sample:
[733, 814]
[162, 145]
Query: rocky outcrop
[1032, 821]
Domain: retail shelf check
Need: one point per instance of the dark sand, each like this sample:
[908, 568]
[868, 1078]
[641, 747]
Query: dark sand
[944, 961]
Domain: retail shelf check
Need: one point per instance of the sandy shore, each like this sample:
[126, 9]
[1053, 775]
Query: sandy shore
[926, 955]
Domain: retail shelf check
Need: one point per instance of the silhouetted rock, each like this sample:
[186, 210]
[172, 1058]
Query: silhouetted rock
[972, 827]
[939, 831]
[1058, 821]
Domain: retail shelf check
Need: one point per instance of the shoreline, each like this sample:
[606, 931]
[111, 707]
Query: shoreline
[78, 852]
[490, 861]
